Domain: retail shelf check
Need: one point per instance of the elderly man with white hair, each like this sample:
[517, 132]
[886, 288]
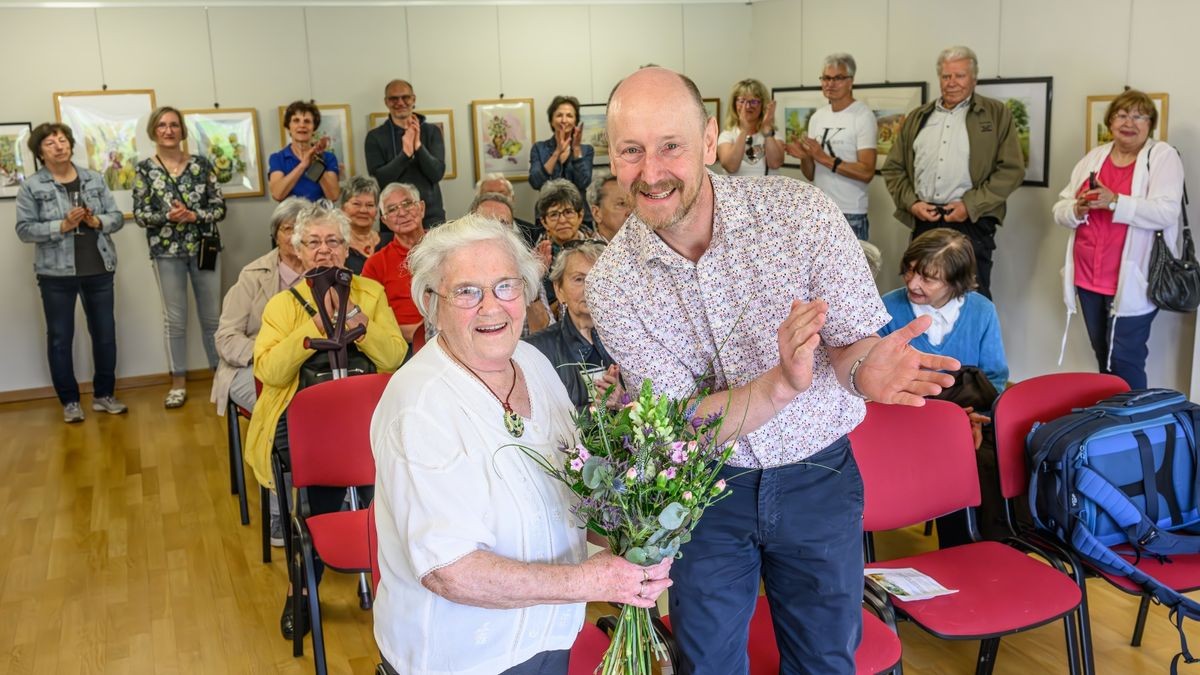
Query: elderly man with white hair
[497, 183]
[402, 213]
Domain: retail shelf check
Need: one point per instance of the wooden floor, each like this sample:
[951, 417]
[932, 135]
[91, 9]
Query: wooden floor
[121, 552]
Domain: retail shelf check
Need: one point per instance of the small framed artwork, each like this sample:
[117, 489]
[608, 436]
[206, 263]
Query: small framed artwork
[17, 163]
[793, 108]
[593, 117]
[891, 104]
[502, 134]
[1099, 134]
[110, 134]
[712, 106]
[443, 119]
[228, 138]
[335, 123]
[1028, 99]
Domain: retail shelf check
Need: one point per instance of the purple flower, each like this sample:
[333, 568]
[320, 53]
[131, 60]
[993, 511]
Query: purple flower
[583, 452]
[577, 464]
[625, 399]
[669, 472]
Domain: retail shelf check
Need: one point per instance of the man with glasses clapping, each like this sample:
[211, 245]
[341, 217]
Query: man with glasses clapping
[407, 149]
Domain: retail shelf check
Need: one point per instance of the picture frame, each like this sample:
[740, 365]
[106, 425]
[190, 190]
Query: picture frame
[1029, 99]
[335, 123]
[17, 163]
[712, 106]
[502, 135]
[443, 119]
[594, 118]
[793, 107]
[110, 134]
[1098, 134]
[228, 138]
[891, 102]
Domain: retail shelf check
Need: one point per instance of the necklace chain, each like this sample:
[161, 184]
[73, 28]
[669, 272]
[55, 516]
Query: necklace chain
[512, 421]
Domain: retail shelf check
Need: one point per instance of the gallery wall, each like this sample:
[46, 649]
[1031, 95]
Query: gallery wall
[261, 57]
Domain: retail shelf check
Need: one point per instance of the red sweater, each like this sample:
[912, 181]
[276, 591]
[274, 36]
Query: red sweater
[389, 267]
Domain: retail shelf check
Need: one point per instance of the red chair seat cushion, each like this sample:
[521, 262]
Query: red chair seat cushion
[339, 539]
[588, 650]
[1181, 573]
[1000, 591]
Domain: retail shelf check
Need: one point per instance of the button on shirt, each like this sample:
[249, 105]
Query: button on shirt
[943, 318]
[943, 155]
[663, 317]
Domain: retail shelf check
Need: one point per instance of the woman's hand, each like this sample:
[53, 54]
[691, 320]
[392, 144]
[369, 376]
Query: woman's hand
[577, 141]
[611, 378]
[74, 217]
[1081, 207]
[618, 580]
[1099, 197]
[977, 422]
[544, 252]
[563, 137]
[180, 213]
[768, 122]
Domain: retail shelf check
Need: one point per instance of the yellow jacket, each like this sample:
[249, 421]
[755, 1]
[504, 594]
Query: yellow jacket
[279, 352]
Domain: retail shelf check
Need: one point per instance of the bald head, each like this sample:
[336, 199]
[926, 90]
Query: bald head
[663, 82]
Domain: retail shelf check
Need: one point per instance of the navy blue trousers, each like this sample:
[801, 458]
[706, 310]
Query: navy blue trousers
[799, 529]
[59, 295]
[1130, 337]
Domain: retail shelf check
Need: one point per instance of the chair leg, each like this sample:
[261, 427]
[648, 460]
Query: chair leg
[296, 569]
[1140, 626]
[264, 498]
[987, 656]
[237, 466]
[1070, 638]
[314, 605]
[1086, 657]
[231, 428]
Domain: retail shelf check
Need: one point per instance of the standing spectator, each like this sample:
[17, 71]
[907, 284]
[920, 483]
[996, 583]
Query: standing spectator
[177, 198]
[303, 168]
[610, 206]
[1120, 196]
[838, 155]
[565, 156]
[407, 149]
[747, 146]
[497, 183]
[69, 215]
[403, 214]
[360, 203]
[956, 160]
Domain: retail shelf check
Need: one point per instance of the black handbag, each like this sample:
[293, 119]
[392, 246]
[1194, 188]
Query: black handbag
[1174, 283]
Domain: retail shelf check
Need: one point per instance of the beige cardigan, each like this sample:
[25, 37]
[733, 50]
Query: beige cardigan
[241, 319]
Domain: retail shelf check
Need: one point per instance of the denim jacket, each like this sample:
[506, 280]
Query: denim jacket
[42, 204]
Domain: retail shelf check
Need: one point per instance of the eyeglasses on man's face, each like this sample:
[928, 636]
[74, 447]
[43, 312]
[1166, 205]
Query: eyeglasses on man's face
[393, 100]
[836, 79]
[561, 214]
[406, 205]
[330, 242]
[467, 297]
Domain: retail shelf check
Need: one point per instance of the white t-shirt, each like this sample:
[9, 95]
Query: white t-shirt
[754, 162]
[446, 486]
[843, 134]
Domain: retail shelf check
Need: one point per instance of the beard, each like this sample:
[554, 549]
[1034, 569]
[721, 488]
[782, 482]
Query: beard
[687, 202]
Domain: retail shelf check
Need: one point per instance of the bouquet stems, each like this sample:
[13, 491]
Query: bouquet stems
[635, 647]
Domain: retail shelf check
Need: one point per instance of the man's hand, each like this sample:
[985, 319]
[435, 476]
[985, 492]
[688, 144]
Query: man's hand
[412, 136]
[799, 337]
[814, 150]
[957, 212]
[414, 125]
[893, 372]
[796, 149]
[925, 211]
[611, 378]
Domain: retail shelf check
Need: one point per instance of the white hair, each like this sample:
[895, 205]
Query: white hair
[392, 188]
[319, 212]
[958, 53]
[495, 175]
[841, 59]
[592, 250]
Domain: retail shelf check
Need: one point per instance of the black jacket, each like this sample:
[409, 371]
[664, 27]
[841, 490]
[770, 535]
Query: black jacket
[424, 170]
[562, 343]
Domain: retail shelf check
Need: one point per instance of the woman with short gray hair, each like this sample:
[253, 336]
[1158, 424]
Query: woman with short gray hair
[560, 208]
[360, 202]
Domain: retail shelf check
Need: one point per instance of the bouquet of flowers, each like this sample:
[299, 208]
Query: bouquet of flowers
[645, 472]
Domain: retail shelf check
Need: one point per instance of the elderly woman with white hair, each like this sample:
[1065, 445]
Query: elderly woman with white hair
[474, 538]
[360, 202]
[321, 238]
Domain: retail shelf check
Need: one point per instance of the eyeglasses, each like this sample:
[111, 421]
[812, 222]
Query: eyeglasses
[407, 98]
[748, 101]
[331, 242]
[406, 205]
[168, 125]
[564, 214]
[1125, 117]
[826, 79]
[466, 297]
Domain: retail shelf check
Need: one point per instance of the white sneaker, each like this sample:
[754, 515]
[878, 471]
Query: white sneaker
[72, 412]
[109, 405]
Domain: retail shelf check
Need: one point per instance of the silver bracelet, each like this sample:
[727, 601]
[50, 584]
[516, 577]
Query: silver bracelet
[853, 385]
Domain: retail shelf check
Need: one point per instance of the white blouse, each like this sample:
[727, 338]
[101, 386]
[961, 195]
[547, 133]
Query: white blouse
[446, 486]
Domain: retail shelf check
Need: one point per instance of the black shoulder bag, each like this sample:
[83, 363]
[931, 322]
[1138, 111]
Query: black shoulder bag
[209, 244]
[1174, 283]
[318, 369]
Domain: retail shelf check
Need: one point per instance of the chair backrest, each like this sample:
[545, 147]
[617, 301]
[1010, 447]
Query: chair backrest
[916, 463]
[373, 548]
[329, 431]
[419, 338]
[1040, 399]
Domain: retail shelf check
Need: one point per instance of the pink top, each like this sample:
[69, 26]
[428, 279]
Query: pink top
[1099, 241]
[774, 240]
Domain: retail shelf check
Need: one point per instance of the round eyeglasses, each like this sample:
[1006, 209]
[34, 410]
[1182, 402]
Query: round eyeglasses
[466, 297]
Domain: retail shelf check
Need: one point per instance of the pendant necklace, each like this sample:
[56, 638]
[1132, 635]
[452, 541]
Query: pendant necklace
[512, 421]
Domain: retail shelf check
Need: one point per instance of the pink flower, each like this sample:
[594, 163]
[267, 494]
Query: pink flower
[719, 487]
[687, 495]
[583, 452]
[631, 474]
[679, 455]
[692, 446]
[669, 472]
[576, 464]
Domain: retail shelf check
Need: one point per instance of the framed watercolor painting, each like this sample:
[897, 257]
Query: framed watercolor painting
[594, 118]
[1099, 134]
[335, 123]
[110, 134]
[228, 137]
[443, 119]
[712, 106]
[17, 163]
[1029, 100]
[891, 104]
[793, 107]
[502, 134]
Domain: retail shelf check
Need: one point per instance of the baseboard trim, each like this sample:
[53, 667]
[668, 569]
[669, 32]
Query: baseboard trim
[133, 382]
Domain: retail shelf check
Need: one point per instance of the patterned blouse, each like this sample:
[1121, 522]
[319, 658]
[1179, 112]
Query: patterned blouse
[153, 195]
[774, 240]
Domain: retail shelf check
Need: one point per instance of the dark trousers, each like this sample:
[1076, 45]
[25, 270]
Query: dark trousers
[545, 663]
[982, 234]
[1130, 337]
[799, 528]
[58, 302]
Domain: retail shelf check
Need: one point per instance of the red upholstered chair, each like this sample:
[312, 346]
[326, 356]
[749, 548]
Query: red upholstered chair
[918, 464]
[329, 440]
[419, 338]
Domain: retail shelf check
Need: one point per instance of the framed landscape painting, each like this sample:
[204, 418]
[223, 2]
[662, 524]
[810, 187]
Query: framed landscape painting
[443, 119]
[502, 135]
[891, 104]
[1099, 134]
[793, 108]
[1029, 99]
[594, 118]
[228, 138]
[335, 123]
[17, 163]
[110, 134]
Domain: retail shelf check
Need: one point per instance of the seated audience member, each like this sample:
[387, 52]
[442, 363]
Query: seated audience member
[320, 238]
[459, 556]
[572, 344]
[494, 205]
[404, 216]
[303, 168]
[499, 207]
[560, 208]
[610, 206]
[747, 146]
[565, 156]
[874, 257]
[496, 182]
[360, 203]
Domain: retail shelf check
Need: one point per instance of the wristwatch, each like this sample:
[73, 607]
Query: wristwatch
[769, 134]
[1112, 206]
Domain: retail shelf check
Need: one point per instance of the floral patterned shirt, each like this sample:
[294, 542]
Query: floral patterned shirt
[774, 240]
[153, 195]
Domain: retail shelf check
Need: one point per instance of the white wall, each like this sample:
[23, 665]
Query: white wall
[1092, 47]
[260, 58]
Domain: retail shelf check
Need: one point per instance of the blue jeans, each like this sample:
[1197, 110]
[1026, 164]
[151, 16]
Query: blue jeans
[173, 275]
[1130, 337]
[860, 224]
[799, 528]
[58, 302]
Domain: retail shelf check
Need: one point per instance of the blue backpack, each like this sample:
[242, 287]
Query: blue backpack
[1123, 472]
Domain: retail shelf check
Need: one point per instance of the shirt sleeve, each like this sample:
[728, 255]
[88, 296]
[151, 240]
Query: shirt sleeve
[275, 163]
[868, 130]
[331, 162]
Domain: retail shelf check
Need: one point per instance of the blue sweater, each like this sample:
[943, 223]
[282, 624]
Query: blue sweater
[974, 340]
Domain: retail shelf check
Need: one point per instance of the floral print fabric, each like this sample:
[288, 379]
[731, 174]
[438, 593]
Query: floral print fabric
[153, 194]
